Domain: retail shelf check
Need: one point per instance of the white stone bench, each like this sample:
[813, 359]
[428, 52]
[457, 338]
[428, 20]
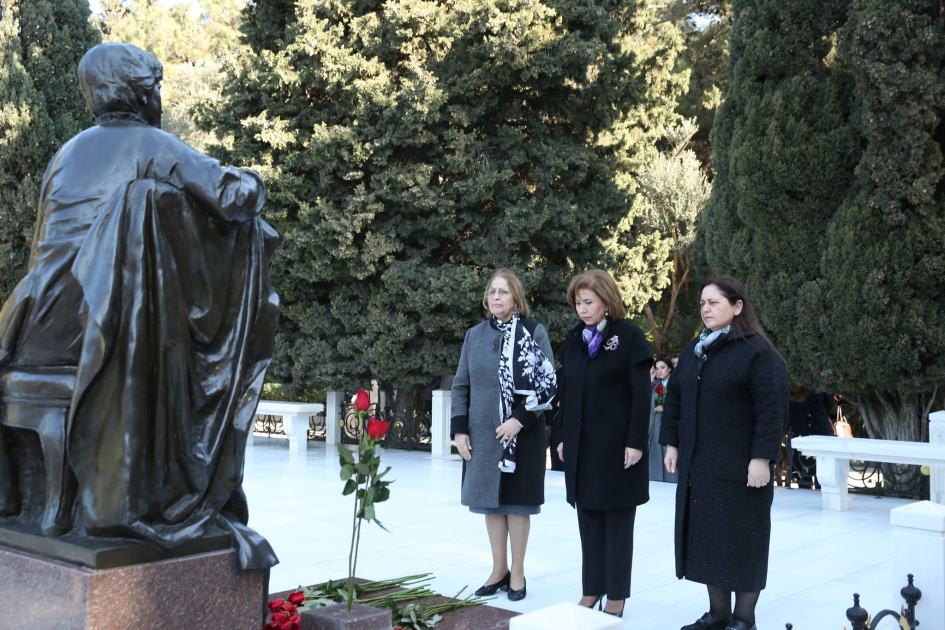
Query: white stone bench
[295, 420]
[834, 455]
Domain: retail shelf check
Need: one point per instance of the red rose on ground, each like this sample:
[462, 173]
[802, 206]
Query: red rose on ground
[660, 389]
[376, 429]
[280, 616]
[361, 400]
[276, 604]
[297, 598]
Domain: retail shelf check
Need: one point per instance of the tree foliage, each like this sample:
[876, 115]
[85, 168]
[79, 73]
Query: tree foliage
[411, 147]
[828, 200]
[41, 42]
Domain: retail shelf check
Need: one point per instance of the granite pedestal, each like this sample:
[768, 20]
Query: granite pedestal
[198, 591]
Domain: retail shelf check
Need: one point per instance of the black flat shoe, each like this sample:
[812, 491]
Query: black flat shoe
[737, 624]
[519, 594]
[704, 623]
[492, 589]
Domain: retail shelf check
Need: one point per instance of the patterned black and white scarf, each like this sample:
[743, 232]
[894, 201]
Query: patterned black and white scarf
[525, 371]
[708, 337]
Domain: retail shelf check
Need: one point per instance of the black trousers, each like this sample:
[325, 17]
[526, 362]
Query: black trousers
[607, 550]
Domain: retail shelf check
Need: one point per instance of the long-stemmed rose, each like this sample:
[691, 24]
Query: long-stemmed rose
[362, 479]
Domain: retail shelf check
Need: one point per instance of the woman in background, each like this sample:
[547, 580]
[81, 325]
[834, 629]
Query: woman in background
[664, 368]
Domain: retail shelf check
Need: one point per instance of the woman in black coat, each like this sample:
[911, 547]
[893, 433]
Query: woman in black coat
[723, 423]
[605, 405]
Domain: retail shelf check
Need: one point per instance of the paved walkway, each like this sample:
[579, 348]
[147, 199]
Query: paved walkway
[818, 560]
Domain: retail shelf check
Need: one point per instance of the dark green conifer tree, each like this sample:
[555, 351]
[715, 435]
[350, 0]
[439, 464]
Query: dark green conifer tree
[41, 42]
[828, 198]
[412, 147]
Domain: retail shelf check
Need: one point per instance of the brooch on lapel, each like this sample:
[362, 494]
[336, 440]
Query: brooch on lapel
[612, 343]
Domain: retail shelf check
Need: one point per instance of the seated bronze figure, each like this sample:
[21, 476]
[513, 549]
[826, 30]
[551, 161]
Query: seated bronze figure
[133, 353]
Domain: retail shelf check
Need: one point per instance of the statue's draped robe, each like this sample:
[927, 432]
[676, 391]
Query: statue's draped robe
[149, 273]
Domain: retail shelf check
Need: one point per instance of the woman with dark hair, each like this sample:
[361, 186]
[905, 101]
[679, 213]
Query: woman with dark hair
[503, 385]
[664, 368]
[723, 422]
[605, 404]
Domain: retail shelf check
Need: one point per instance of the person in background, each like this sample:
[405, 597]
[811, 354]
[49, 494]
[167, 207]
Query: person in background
[503, 385]
[724, 420]
[605, 407]
[809, 414]
[675, 360]
[658, 472]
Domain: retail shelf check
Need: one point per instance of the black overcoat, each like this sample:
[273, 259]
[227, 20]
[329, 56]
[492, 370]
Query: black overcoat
[605, 408]
[721, 414]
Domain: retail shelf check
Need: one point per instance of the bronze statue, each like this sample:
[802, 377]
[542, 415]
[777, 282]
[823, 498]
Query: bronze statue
[133, 353]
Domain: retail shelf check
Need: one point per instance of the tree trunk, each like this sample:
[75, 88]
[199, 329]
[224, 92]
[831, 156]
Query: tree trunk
[898, 416]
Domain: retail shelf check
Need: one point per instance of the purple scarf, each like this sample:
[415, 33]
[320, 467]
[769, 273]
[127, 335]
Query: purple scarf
[593, 336]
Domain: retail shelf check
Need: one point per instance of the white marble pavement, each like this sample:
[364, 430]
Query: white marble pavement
[818, 559]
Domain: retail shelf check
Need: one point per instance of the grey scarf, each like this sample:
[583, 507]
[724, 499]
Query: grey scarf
[706, 338]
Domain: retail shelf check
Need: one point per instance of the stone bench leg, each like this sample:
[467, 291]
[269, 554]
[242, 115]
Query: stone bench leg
[440, 439]
[833, 475]
[918, 547]
[296, 429]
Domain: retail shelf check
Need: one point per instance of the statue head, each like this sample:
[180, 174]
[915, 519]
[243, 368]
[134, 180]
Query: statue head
[122, 79]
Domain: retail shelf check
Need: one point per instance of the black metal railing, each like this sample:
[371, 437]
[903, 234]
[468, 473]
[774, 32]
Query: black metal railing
[862, 620]
[409, 429]
[270, 425]
[903, 481]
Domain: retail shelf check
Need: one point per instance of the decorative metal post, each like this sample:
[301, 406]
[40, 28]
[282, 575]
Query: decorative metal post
[857, 615]
[861, 619]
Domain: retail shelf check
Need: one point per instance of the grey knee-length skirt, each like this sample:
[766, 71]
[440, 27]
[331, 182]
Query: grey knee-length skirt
[508, 510]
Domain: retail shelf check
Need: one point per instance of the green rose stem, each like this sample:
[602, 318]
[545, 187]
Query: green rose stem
[356, 531]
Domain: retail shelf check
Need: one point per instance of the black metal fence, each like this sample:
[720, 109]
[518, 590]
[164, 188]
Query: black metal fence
[269, 425]
[903, 481]
[409, 429]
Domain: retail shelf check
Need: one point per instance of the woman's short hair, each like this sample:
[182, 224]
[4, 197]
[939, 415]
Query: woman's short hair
[518, 293]
[601, 283]
[113, 75]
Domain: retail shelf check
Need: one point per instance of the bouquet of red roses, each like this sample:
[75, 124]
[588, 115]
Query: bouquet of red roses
[660, 395]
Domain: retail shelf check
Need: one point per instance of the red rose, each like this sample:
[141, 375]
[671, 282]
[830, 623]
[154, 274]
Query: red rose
[361, 400]
[271, 626]
[280, 616]
[295, 623]
[660, 389]
[376, 429]
[297, 598]
[276, 604]
[289, 608]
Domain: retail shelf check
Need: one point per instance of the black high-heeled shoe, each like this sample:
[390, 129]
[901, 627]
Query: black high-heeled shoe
[519, 594]
[597, 602]
[491, 589]
[616, 614]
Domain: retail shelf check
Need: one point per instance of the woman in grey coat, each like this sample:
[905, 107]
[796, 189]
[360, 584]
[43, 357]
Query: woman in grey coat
[663, 367]
[504, 382]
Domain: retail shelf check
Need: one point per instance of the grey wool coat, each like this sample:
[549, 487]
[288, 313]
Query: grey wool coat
[476, 411]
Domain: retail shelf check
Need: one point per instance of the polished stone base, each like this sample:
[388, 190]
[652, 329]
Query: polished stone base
[337, 617]
[200, 591]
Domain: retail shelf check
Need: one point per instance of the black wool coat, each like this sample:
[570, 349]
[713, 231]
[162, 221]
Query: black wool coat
[605, 408]
[721, 414]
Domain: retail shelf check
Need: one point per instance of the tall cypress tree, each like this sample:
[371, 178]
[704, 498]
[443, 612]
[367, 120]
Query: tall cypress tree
[828, 202]
[411, 147]
[41, 42]
[883, 271]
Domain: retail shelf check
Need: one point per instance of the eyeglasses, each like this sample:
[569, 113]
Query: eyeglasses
[502, 293]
